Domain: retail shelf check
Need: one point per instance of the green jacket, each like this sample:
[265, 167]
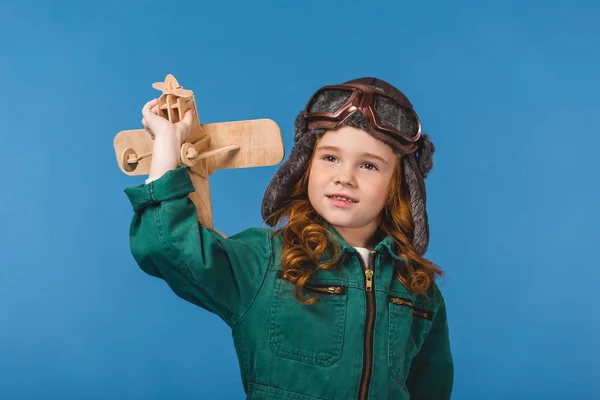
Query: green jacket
[384, 343]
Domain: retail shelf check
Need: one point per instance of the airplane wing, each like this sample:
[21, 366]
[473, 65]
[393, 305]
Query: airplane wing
[259, 140]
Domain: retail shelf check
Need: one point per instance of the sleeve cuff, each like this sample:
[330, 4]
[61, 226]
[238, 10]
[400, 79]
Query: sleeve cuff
[173, 184]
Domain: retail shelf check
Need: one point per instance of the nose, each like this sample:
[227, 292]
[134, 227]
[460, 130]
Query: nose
[345, 176]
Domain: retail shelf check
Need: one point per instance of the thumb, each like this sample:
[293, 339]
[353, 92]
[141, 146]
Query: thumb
[188, 118]
[185, 124]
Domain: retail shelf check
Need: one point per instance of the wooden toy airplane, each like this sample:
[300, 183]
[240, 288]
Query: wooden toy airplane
[209, 147]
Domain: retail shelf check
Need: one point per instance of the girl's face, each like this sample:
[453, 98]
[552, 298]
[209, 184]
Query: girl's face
[349, 162]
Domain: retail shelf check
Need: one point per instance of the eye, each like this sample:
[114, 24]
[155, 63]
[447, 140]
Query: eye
[371, 167]
[329, 158]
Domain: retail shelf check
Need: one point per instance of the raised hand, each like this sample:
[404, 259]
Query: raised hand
[157, 125]
[168, 138]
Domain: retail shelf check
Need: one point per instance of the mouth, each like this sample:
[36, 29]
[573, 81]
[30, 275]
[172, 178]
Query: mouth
[342, 198]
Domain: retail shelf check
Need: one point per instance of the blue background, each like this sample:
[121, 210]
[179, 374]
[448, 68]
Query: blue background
[509, 93]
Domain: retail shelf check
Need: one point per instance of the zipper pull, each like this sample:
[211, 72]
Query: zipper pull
[369, 280]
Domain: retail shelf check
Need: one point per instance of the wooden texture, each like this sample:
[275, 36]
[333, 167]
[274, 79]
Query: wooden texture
[209, 147]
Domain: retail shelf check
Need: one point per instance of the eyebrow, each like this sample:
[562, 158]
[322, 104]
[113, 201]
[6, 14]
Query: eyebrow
[333, 148]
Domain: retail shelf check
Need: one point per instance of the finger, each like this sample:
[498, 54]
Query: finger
[150, 104]
[148, 107]
[147, 127]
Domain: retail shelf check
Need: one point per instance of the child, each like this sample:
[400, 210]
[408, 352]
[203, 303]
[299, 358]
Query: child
[336, 302]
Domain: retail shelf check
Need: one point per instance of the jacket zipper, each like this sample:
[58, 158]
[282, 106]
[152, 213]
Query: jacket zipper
[416, 311]
[327, 289]
[365, 379]
[324, 289]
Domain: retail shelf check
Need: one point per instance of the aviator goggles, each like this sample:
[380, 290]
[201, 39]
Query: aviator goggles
[389, 118]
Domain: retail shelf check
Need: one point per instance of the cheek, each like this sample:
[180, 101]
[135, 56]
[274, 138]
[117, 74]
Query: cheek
[377, 191]
[311, 187]
[314, 183]
[317, 176]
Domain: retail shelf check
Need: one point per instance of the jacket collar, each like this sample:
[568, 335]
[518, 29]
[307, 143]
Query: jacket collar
[385, 244]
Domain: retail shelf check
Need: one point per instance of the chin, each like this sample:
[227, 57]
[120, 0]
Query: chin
[340, 221]
[339, 218]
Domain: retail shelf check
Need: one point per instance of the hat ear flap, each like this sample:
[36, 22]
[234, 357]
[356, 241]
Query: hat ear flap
[418, 200]
[288, 174]
[424, 155]
[300, 126]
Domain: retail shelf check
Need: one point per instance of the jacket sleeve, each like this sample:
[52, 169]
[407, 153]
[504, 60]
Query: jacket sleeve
[199, 265]
[431, 374]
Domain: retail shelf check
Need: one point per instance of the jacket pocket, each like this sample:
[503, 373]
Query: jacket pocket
[264, 392]
[408, 327]
[313, 333]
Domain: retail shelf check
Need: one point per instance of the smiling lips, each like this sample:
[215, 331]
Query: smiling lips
[342, 199]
